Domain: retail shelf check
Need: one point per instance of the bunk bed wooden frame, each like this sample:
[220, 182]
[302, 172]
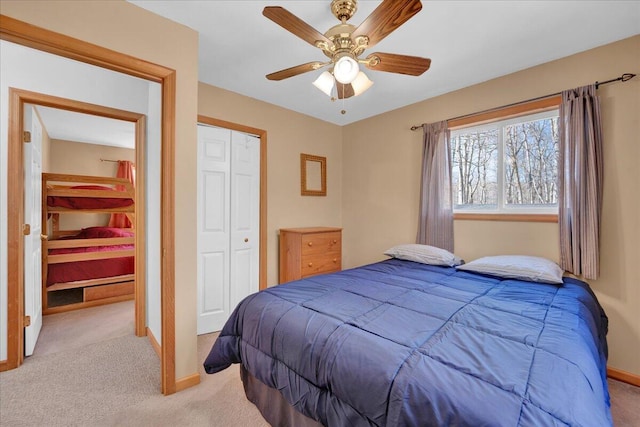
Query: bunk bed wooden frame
[95, 291]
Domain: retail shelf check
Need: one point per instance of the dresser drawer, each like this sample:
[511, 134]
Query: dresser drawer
[321, 243]
[309, 251]
[93, 293]
[321, 263]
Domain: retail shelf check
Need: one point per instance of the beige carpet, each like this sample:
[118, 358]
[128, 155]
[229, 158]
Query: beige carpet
[88, 369]
[109, 377]
[79, 386]
[218, 400]
[625, 404]
[78, 328]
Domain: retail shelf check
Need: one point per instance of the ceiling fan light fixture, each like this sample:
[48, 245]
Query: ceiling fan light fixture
[324, 82]
[346, 69]
[361, 83]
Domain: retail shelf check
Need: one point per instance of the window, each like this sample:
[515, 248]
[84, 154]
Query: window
[507, 166]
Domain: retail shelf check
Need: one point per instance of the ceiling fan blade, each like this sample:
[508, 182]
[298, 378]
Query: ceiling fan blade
[293, 24]
[386, 18]
[344, 90]
[294, 71]
[401, 64]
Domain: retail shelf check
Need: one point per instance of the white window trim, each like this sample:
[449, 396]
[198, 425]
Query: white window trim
[502, 208]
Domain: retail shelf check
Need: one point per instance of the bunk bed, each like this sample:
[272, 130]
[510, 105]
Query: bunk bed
[98, 262]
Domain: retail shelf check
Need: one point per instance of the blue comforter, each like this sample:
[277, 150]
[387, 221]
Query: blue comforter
[399, 343]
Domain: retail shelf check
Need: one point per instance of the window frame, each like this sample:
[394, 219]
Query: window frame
[508, 114]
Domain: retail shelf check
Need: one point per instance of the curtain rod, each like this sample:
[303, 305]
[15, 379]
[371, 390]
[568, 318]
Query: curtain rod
[623, 78]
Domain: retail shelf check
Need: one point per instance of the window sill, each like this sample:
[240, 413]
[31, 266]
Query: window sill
[506, 217]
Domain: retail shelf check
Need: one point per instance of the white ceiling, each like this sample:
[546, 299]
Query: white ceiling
[78, 127]
[468, 42]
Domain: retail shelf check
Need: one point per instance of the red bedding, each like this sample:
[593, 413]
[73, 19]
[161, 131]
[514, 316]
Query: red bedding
[88, 202]
[92, 269]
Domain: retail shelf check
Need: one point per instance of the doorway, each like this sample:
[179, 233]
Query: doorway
[76, 148]
[48, 41]
[19, 100]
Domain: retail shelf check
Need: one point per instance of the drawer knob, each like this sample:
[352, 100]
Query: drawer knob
[310, 264]
[335, 260]
[246, 240]
[335, 241]
[310, 243]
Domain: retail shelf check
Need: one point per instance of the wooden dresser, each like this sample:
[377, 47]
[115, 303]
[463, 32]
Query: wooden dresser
[305, 252]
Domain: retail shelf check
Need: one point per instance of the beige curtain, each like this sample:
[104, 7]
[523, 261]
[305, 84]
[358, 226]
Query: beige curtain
[435, 225]
[580, 173]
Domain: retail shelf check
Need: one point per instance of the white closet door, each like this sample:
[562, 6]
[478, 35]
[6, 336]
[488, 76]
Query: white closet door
[228, 223]
[33, 217]
[214, 184]
[245, 215]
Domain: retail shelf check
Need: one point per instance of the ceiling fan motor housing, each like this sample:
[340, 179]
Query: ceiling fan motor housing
[342, 42]
[344, 9]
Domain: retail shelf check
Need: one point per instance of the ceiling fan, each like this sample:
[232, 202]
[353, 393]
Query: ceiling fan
[344, 43]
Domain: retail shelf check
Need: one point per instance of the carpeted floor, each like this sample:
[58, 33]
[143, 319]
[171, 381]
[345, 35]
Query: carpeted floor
[88, 369]
[78, 328]
[218, 400]
[109, 377]
[83, 385]
[625, 404]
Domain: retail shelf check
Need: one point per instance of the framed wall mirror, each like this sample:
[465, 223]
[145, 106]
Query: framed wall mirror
[313, 175]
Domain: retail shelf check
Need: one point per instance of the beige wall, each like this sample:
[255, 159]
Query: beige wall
[79, 158]
[288, 135]
[381, 164]
[126, 28]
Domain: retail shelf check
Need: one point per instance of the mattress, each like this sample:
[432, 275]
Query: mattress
[92, 269]
[72, 202]
[399, 343]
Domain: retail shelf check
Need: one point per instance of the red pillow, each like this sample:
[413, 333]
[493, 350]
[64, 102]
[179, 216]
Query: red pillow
[102, 232]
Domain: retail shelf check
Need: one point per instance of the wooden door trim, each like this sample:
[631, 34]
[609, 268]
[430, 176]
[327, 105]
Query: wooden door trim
[15, 198]
[15, 243]
[262, 134]
[25, 34]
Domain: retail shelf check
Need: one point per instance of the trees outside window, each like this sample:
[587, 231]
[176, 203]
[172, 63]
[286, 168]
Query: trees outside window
[507, 166]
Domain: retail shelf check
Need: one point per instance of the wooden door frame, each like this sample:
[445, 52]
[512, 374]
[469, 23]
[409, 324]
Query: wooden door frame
[262, 134]
[28, 35]
[17, 100]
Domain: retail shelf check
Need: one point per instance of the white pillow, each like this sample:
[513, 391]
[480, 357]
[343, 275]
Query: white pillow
[531, 268]
[424, 254]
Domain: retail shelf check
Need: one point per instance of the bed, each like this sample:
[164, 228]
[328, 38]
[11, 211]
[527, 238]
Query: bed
[401, 343]
[98, 262]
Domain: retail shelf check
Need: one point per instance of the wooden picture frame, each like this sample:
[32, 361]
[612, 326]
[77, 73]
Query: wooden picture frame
[313, 175]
